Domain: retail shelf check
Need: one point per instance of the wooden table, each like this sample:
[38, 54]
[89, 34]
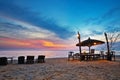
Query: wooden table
[89, 56]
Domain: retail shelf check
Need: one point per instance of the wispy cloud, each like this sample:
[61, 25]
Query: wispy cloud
[14, 11]
[109, 20]
[23, 31]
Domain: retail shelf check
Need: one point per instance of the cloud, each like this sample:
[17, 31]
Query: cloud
[112, 12]
[90, 21]
[109, 17]
[110, 21]
[112, 29]
[25, 31]
[97, 32]
[19, 35]
[14, 11]
[23, 36]
[9, 43]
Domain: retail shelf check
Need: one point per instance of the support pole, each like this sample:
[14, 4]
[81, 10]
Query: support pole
[79, 42]
[109, 56]
[89, 50]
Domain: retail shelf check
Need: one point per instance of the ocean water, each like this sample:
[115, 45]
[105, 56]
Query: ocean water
[48, 54]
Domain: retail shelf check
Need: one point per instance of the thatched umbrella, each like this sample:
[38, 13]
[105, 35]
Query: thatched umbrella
[90, 42]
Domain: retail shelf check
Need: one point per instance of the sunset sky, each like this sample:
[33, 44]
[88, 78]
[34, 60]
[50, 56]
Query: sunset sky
[53, 24]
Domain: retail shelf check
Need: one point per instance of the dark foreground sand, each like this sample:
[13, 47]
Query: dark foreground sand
[62, 69]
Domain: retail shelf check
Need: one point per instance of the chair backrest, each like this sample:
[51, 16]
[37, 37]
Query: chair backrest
[76, 54]
[92, 51]
[30, 60]
[21, 60]
[101, 52]
[3, 61]
[113, 52]
[70, 53]
[30, 57]
[41, 57]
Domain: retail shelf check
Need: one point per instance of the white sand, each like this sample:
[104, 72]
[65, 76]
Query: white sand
[61, 69]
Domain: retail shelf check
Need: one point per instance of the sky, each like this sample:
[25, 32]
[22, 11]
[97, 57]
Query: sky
[53, 24]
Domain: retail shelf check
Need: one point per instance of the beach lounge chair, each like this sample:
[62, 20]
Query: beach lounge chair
[30, 60]
[3, 61]
[21, 60]
[70, 56]
[41, 59]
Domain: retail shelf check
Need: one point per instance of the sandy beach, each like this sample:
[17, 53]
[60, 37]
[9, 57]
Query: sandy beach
[62, 69]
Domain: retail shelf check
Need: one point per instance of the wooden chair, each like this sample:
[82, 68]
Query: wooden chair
[76, 56]
[113, 54]
[3, 61]
[92, 51]
[70, 56]
[30, 60]
[21, 60]
[41, 59]
[102, 55]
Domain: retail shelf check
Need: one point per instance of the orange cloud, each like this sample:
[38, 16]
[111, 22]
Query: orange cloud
[52, 44]
[34, 44]
[45, 44]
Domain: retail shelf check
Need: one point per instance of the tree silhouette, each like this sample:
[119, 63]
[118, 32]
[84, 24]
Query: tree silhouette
[113, 38]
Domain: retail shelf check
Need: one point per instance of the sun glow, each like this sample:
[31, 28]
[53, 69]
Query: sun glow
[51, 44]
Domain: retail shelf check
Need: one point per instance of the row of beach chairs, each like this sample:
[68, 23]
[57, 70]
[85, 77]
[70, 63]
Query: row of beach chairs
[22, 60]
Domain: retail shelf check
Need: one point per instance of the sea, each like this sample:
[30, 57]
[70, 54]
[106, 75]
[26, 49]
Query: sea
[48, 54]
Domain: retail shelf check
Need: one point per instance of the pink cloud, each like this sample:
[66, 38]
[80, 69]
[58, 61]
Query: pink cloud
[32, 44]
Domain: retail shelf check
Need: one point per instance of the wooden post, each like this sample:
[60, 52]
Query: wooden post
[79, 42]
[109, 57]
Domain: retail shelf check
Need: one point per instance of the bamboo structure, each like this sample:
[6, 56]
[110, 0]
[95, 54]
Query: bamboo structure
[109, 56]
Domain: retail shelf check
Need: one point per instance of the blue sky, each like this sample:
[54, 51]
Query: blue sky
[53, 24]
